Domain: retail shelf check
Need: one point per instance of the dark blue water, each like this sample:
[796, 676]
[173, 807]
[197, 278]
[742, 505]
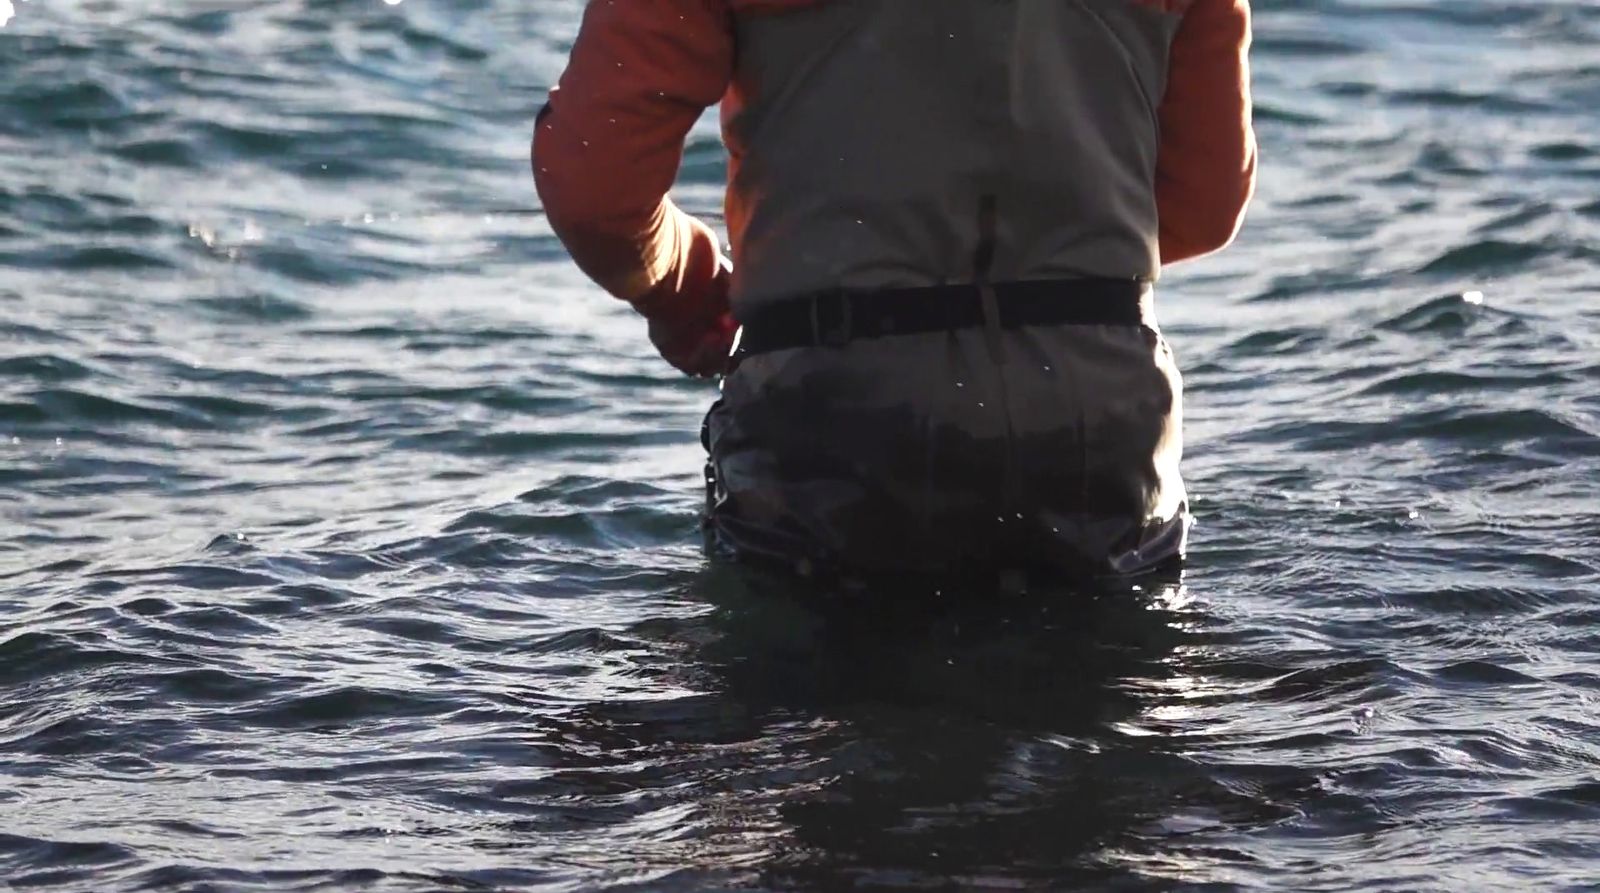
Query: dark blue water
[348, 536]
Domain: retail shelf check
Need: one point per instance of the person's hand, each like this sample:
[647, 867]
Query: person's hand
[694, 332]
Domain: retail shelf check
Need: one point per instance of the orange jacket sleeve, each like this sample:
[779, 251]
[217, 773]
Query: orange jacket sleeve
[608, 143]
[1206, 168]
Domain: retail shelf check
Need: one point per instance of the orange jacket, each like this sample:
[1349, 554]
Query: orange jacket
[609, 142]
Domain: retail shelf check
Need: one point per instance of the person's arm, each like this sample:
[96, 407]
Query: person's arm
[606, 150]
[1206, 168]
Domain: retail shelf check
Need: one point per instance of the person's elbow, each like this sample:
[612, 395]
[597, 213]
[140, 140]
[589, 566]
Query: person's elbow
[560, 184]
[1203, 217]
[605, 228]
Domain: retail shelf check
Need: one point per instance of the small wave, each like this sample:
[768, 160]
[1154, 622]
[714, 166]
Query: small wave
[1460, 426]
[1466, 599]
[1266, 112]
[1302, 45]
[1498, 102]
[345, 705]
[589, 640]
[160, 152]
[34, 656]
[617, 526]
[1555, 806]
[1563, 151]
[443, 44]
[325, 267]
[247, 141]
[206, 577]
[1319, 283]
[210, 685]
[1434, 383]
[93, 258]
[74, 105]
[1349, 680]
[257, 308]
[410, 628]
[1448, 314]
[290, 599]
[535, 443]
[1474, 673]
[16, 413]
[216, 411]
[217, 620]
[64, 404]
[1486, 256]
[1277, 342]
[369, 769]
[33, 862]
[542, 400]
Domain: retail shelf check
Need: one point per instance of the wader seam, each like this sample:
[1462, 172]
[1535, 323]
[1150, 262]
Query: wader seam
[1152, 108]
[994, 336]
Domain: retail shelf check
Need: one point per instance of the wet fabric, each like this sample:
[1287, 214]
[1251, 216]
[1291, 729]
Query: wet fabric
[1052, 451]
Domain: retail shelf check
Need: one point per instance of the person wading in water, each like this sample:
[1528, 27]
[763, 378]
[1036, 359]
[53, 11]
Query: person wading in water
[946, 219]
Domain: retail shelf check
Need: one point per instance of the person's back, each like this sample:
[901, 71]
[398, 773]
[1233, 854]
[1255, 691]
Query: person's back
[945, 216]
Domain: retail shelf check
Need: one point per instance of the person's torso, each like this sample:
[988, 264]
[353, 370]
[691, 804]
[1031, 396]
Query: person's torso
[870, 136]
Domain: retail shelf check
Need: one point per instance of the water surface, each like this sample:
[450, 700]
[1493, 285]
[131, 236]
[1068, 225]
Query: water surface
[348, 536]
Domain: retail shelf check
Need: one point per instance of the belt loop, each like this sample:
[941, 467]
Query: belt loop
[822, 332]
[990, 303]
[984, 259]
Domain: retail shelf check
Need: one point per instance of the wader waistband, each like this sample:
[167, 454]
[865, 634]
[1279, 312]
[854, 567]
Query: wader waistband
[836, 318]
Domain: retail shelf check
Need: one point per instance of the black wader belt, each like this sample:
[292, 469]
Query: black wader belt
[836, 318]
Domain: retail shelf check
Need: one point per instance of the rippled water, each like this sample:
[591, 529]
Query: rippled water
[348, 537]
